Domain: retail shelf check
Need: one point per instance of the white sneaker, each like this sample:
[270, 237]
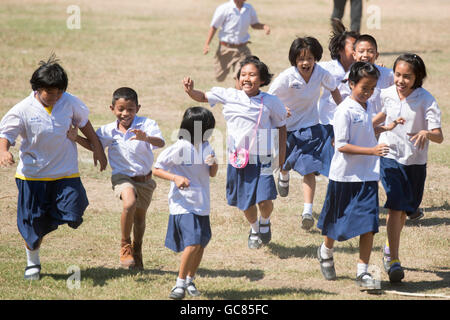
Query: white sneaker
[192, 290]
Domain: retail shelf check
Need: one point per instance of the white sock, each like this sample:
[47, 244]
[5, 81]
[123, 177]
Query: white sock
[181, 283]
[189, 280]
[264, 221]
[284, 177]
[255, 226]
[307, 208]
[326, 253]
[361, 268]
[32, 259]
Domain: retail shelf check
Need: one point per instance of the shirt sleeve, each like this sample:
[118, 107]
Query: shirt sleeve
[218, 18]
[216, 95]
[278, 112]
[11, 126]
[104, 138]
[279, 86]
[433, 115]
[253, 15]
[80, 112]
[328, 81]
[341, 128]
[153, 130]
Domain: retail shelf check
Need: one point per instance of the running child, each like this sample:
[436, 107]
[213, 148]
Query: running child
[130, 141]
[188, 164]
[351, 203]
[50, 189]
[403, 169]
[253, 119]
[298, 87]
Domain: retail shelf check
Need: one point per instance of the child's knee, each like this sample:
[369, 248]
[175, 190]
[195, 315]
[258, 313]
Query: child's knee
[128, 197]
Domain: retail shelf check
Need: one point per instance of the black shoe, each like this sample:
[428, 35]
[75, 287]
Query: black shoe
[254, 240]
[267, 236]
[366, 282]
[283, 191]
[328, 272]
[416, 215]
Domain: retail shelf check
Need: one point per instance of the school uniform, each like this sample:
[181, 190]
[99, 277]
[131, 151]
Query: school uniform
[326, 107]
[351, 203]
[131, 160]
[253, 183]
[47, 176]
[233, 35]
[189, 207]
[306, 137]
[403, 169]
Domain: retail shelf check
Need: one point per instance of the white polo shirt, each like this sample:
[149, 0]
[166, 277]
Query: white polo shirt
[385, 80]
[326, 105]
[234, 23]
[300, 96]
[420, 111]
[45, 152]
[129, 157]
[353, 125]
[241, 114]
[183, 159]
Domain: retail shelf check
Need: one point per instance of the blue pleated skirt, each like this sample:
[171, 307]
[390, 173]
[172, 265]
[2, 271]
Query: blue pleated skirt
[403, 184]
[44, 205]
[350, 209]
[304, 149]
[328, 150]
[187, 229]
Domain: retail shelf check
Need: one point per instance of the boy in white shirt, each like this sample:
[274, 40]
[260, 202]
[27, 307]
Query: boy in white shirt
[234, 18]
[130, 141]
[50, 190]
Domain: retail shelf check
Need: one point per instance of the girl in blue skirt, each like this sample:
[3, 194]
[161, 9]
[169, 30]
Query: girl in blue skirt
[403, 170]
[251, 116]
[351, 204]
[298, 87]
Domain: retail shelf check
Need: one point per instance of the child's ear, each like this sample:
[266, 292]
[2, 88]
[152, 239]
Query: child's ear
[111, 107]
[137, 108]
[351, 84]
[376, 56]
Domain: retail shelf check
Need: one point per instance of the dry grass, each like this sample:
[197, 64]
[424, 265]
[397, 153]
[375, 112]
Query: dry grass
[150, 46]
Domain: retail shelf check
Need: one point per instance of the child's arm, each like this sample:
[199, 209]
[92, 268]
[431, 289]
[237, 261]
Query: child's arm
[211, 161]
[336, 96]
[196, 95]
[142, 136]
[180, 181]
[97, 148]
[211, 33]
[6, 157]
[73, 135]
[422, 136]
[379, 150]
[261, 26]
[282, 137]
[389, 127]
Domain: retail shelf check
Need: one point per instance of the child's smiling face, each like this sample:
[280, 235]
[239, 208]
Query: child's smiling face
[249, 80]
[365, 51]
[49, 96]
[125, 111]
[404, 78]
[305, 63]
[363, 90]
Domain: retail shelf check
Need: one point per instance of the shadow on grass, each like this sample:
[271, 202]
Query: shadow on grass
[262, 293]
[309, 251]
[425, 221]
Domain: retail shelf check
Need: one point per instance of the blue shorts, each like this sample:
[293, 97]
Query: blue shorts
[304, 149]
[350, 209]
[187, 229]
[251, 185]
[403, 184]
[44, 205]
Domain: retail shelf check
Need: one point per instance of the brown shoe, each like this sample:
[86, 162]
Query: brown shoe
[126, 257]
[137, 255]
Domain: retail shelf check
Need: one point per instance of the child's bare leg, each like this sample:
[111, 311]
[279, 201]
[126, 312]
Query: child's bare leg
[251, 214]
[329, 243]
[196, 262]
[189, 260]
[265, 208]
[395, 221]
[309, 188]
[138, 235]
[365, 247]
[128, 210]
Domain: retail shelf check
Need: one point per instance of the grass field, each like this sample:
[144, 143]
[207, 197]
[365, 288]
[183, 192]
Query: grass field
[151, 46]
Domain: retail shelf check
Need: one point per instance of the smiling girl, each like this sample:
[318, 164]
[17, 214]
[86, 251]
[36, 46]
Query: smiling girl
[403, 170]
[298, 87]
[248, 112]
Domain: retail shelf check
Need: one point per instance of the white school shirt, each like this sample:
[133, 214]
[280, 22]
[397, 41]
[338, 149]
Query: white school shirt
[234, 23]
[353, 125]
[45, 152]
[326, 105]
[183, 159]
[241, 114]
[129, 157]
[385, 80]
[420, 111]
[301, 97]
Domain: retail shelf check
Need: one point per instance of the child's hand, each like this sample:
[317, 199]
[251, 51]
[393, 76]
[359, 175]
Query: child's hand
[381, 150]
[419, 138]
[181, 182]
[399, 120]
[139, 135]
[266, 29]
[188, 84]
[210, 160]
[206, 49]
[99, 156]
[288, 111]
[72, 133]
[6, 159]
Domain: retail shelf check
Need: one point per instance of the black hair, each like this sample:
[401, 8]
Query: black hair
[367, 38]
[192, 117]
[126, 94]
[49, 75]
[338, 37]
[360, 70]
[264, 73]
[300, 44]
[418, 67]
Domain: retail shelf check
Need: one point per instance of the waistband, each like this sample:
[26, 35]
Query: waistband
[233, 45]
[142, 179]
